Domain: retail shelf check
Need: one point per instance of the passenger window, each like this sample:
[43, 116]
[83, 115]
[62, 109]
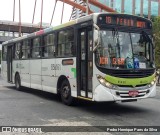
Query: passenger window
[48, 49]
[25, 54]
[36, 53]
[4, 53]
[66, 46]
[17, 50]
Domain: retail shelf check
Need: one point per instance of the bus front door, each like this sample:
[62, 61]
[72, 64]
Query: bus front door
[9, 63]
[85, 63]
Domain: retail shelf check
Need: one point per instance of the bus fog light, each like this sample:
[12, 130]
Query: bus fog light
[147, 91]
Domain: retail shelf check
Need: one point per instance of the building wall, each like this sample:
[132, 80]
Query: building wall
[146, 8]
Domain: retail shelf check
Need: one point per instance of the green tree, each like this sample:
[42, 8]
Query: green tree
[156, 32]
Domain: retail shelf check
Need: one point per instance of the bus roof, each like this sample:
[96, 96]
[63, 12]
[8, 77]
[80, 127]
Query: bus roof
[70, 23]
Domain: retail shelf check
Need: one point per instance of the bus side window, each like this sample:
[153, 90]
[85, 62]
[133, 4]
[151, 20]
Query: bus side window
[36, 53]
[70, 46]
[25, 49]
[66, 46]
[4, 53]
[48, 49]
[17, 50]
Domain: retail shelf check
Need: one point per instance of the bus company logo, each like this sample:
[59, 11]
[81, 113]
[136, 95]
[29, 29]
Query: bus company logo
[122, 82]
[143, 81]
[17, 65]
[6, 129]
[55, 67]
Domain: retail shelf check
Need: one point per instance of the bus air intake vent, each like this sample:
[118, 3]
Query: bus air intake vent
[136, 74]
[125, 94]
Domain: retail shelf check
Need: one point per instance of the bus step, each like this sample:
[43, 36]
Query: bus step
[84, 98]
[130, 100]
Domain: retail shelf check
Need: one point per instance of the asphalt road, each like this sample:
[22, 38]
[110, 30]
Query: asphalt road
[32, 107]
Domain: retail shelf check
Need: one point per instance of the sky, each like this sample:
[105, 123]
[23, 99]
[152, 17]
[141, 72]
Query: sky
[27, 7]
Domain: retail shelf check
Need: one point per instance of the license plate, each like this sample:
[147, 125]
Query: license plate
[133, 93]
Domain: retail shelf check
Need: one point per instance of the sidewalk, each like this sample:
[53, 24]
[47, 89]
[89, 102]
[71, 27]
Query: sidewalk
[158, 84]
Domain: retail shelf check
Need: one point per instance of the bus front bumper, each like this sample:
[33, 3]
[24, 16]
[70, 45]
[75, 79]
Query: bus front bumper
[103, 94]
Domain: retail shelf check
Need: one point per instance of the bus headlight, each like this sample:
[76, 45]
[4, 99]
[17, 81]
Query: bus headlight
[153, 82]
[104, 82]
[154, 79]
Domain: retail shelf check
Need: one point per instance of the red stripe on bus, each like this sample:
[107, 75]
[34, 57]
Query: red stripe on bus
[39, 32]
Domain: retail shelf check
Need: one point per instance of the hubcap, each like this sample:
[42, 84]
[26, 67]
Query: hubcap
[65, 92]
[17, 82]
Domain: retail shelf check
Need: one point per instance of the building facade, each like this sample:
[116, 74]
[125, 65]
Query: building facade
[145, 8]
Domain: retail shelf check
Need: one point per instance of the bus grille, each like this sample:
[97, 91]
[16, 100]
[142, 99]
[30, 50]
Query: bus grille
[137, 74]
[125, 94]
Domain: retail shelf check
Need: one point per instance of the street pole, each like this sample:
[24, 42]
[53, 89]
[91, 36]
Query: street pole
[87, 11]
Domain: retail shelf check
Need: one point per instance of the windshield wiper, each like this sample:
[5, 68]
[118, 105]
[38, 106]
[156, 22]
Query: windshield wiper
[116, 34]
[146, 35]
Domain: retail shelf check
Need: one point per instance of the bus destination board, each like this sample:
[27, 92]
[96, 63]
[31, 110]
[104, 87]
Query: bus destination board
[129, 21]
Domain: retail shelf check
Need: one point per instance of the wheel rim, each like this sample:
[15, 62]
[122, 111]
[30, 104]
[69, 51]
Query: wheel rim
[65, 92]
[17, 82]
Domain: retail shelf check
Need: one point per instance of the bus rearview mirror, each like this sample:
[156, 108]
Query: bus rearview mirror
[96, 37]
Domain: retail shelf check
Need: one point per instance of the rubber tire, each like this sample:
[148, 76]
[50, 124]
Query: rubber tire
[69, 99]
[18, 82]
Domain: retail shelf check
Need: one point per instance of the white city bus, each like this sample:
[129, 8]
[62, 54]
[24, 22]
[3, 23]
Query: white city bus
[99, 57]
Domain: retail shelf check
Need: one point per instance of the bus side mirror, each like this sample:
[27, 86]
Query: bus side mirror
[157, 72]
[154, 45]
[96, 37]
[153, 39]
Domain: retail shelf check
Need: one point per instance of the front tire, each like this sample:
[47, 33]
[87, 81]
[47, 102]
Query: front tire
[66, 97]
[18, 82]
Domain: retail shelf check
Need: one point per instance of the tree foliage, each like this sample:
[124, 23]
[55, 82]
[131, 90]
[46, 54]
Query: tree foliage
[156, 32]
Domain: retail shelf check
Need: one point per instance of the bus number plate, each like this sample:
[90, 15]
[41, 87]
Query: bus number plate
[133, 93]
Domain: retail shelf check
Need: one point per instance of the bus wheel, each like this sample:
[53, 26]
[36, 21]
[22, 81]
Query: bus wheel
[18, 82]
[66, 93]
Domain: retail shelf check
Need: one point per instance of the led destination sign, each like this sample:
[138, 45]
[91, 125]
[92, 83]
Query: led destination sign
[124, 20]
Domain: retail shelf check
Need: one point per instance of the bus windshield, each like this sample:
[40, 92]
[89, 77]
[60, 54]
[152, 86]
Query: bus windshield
[124, 50]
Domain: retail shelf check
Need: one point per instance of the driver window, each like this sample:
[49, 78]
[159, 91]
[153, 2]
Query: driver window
[139, 45]
[141, 49]
[36, 48]
[124, 45]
